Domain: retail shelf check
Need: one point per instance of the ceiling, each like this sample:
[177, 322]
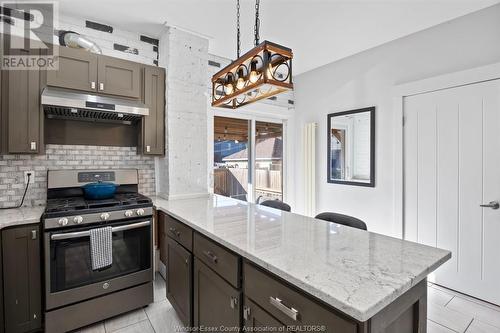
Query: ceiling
[318, 31]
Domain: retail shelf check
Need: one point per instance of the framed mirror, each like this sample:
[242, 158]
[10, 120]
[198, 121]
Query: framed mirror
[351, 147]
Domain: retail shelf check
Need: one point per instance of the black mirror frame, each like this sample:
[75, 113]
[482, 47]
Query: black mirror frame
[372, 147]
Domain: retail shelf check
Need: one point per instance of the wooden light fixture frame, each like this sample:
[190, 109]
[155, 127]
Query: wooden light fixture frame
[271, 55]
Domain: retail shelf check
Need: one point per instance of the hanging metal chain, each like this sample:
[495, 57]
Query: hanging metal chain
[257, 22]
[238, 41]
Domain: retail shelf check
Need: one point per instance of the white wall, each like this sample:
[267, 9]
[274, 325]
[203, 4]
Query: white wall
[367, 79]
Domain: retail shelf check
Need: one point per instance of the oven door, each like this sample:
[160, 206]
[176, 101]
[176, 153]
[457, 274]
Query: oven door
[68, 268]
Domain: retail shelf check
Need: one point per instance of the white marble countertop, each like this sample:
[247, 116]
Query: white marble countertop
[354, 271]
[20, 216]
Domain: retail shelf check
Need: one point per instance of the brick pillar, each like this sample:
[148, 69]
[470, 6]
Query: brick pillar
[183, 171]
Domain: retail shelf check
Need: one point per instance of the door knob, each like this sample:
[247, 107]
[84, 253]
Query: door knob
[491, 204]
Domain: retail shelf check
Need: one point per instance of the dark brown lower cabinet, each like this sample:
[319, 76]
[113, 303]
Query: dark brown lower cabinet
[162, 236]
[258, 320]
[21, 279]
[180, 280]
[1, 289]
[216, 303]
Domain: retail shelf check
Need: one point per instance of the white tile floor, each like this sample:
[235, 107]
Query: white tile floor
[158, 317]
[448, 312]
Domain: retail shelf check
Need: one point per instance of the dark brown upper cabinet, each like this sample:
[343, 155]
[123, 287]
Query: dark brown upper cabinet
[153, 125]
[20, 111]
[86, 71]
[119, 77]
[77, 70]
[216, 302]
[180, 280]
[22, 279]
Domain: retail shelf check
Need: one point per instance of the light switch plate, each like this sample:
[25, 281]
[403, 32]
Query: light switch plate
[32, 177]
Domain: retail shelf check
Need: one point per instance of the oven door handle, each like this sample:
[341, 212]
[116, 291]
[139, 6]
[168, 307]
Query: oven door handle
[77, 234]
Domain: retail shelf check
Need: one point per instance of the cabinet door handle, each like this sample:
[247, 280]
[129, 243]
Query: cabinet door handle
[211, 256]
[233, 302]
[278, 304]
[33, 234]
[33, 145]
[101, 86]
[175, 232]
[92, 85]
[148, 149]
[246, 312]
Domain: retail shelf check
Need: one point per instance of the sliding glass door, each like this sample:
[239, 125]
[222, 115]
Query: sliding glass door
[231, 154]
[248, 159]
[268, 161]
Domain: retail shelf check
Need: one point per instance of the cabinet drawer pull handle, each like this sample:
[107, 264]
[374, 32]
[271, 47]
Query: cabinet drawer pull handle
[92, 85]
[101, 86]
[175, 232]
[211, 256]
[246, 312]
[278, 304]
[233, 302]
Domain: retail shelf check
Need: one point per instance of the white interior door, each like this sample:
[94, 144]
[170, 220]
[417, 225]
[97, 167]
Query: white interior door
[452, 167]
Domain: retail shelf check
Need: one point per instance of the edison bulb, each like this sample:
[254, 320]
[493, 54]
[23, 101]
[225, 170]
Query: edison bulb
[240, 83]
[270, 72]
[254, 77]
[229, 88]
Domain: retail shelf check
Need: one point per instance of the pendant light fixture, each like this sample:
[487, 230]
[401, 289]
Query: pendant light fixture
[262, 72]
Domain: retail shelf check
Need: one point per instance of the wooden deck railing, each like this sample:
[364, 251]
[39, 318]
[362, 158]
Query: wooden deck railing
[233, 182]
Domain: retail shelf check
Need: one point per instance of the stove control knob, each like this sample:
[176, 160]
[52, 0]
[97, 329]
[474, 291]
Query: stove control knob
[104, 216]
[78, 219]
[140, 211]
[63, 221]
[129, 213]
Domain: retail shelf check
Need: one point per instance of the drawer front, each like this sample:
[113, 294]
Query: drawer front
[179, 231]
[225, 263]
[289, 306]
[257, 320]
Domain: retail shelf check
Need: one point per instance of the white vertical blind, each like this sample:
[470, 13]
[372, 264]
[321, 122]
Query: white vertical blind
[309, 153]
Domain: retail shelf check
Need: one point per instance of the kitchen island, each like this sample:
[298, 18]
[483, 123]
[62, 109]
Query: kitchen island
[369, 282]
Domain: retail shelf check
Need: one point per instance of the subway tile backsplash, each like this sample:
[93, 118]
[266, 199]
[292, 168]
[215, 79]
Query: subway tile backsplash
[12, 168]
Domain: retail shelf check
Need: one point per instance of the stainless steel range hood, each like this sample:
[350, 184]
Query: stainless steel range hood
[65, 104]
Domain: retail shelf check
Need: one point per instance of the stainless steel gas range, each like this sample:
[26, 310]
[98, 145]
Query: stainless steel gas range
[75, 294]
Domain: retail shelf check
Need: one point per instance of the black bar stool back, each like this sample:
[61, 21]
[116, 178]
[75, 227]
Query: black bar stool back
[342, 219]
[277, 204]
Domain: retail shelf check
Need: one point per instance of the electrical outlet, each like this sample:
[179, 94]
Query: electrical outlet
[32, 177]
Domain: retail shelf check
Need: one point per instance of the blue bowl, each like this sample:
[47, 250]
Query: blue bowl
[99, 191]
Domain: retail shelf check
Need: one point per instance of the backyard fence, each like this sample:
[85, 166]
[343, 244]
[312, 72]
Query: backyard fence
[233, 182]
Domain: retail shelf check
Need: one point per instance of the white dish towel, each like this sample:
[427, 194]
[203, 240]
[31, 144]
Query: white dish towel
[101, 247]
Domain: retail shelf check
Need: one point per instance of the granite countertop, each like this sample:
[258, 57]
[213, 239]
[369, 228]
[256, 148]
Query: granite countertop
[20, 216]
[354, 271]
